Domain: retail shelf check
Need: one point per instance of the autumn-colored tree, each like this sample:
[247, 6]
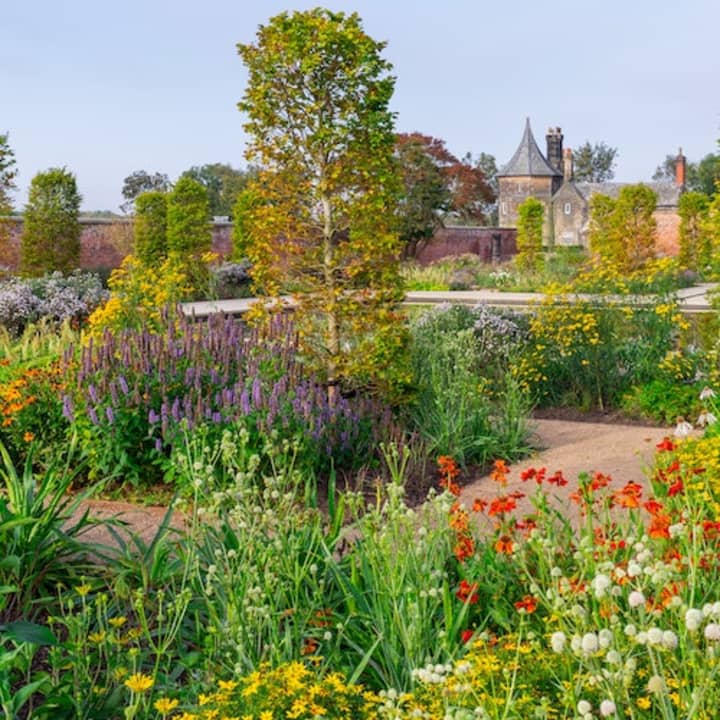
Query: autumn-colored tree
[437, 185]
[51, 230]
[321, 134]
[151, 245]
[531, 216]
[635, 224]
[695, 250]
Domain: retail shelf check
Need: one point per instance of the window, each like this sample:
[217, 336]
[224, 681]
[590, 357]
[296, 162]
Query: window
[503, 209]
[568, 208]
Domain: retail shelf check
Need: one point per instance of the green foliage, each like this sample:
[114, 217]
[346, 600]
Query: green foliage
[223, 183]
[531, 215]
[140, 182]
[623, 230]
[151, 244]
[695, 249]
[247, 200]
[188, 228]
[701, 177]
[662, 400]
[466, 404]
[322, 135]
[594, 163]
[51, 232]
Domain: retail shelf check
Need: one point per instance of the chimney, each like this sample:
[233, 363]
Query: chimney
[680, 169]
[568, 172]
[554, 140]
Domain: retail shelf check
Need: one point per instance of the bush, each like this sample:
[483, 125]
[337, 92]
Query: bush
[467, 404]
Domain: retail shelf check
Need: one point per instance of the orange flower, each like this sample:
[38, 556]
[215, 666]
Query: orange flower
[532, 474]
[600, 481]
[501, 505]
[464, 548]
[479, 505]
[660, 527]
[310, 645]
[459, 520]
[28, 437]
[528, 604]
[504, 545]
[447, 467]
[628, 496]
[557, 478]
[499, 472]
[676, 488]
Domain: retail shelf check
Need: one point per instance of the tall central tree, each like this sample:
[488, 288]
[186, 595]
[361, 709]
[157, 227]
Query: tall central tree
[321, 134]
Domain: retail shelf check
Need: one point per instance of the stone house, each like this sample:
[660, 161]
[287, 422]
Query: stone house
[550, 179]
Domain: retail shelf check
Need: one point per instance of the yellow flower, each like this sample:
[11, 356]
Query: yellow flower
[139, 683]
[97, 637]
[165, 705]
[266, 715]
[117, 622]
[643, 703]
[83, 590]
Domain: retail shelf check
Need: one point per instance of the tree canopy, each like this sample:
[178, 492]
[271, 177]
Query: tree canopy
[141, 181]
[223, 184]
[321, 134]
[594, 162]
[701, 176]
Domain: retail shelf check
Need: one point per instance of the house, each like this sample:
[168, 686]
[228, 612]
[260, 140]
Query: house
[550, 179]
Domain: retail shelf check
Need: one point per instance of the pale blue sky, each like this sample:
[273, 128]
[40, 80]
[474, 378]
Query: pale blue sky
[108, 88]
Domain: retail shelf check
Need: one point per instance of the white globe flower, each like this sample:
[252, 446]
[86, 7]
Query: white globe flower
[669, 640]
[605, 638]
[693, 619]
[557, 641]
[636, 599]
[584, 707]
[607, 708]
[655, 636]
[712, 632]
[589, 644]
[656, 684]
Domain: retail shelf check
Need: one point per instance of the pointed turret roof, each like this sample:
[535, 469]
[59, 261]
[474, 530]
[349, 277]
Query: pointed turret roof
[528, 161]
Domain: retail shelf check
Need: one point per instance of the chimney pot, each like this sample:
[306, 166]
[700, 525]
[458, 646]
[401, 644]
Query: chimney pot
[680, 169]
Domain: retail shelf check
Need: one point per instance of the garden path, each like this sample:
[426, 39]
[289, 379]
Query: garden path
[622, 451]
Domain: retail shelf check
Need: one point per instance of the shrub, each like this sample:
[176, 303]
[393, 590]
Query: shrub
[531, 216]
[51, 232]
[151, 243]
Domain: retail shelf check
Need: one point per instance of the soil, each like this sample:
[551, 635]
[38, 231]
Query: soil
[623, 451]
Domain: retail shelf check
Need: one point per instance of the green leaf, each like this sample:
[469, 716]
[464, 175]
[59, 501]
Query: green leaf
[22, 631]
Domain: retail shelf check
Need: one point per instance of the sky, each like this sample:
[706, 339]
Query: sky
[107, 88]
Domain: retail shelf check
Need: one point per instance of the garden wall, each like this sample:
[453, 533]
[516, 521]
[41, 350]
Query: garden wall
[491, 244]
[104, 242]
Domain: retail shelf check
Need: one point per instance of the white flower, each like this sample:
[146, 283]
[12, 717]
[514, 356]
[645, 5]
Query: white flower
[630, 630]
[669, 640]
[706, 393]
[600, 584]
[712, 631]
[613, 657]
[706, 418]
[557, 641]
[605, 638]
[655, 636]
[584, 707]
[589, 645]
[656, 684]
[634, 569]
[576, 643]
[693, 619]
[683, 428]
[607, 708]
[636, 599]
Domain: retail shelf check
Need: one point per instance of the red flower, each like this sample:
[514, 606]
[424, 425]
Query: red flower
[653, 506]
[466, 636]
[528, 604]
[629, 496]
[676, 488]
[666, 445]
[479, 505]
[467, 592]
[600, 481]
[533, 474]
[557, 478]
[501, 505]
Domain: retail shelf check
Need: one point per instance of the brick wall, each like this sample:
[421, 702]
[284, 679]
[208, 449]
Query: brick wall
[490, 244]
[103, 242]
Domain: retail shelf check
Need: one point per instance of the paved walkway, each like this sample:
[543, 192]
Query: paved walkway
[692, 300]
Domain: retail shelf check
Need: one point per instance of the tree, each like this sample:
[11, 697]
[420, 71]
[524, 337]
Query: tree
[151, 245]
[594, 162]
[322, 136]
[188, 228]
[8, 173]
[51, 231]
[531, 215]
[223, 184]
[695, 250]
[246, 201]
[437, 185]
[603, 239]
[487, 165]
[140, 182]
[634, 222]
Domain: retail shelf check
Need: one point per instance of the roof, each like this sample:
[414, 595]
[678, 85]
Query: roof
[528, 161]
[668, 193]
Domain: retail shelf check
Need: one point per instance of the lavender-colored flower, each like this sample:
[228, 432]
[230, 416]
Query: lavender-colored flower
[68, 410]
[93, 416]
[109, 414]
